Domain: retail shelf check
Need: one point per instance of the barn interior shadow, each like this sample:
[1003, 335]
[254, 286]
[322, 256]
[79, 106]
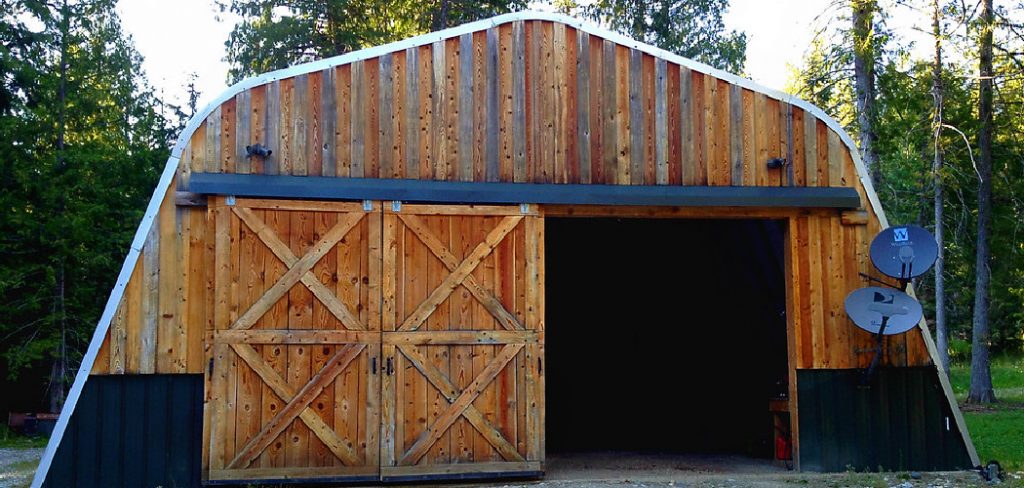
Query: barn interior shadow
[663, 336]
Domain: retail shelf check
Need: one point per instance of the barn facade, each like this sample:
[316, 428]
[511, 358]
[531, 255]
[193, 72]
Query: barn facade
[445, 257]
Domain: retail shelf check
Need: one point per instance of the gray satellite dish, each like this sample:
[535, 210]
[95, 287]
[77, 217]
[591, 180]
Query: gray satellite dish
[873, 306]
[904, 251]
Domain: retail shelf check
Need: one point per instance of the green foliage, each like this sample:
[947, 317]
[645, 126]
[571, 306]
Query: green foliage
[274, 34]
[1007, 379]
[997, 430]
[10, 439]
[997, 435]
[903, 124]
[79, 154]
[692, 29]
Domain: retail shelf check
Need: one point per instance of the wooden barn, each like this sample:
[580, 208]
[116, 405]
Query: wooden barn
[451, 256]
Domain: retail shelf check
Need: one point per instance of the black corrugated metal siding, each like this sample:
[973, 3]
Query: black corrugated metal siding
[133, 431]
[898, 422]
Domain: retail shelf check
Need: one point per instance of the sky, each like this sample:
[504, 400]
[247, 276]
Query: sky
[183, 37]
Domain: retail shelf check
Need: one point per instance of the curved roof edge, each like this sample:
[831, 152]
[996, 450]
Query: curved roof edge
[172, 163]
[583, 25]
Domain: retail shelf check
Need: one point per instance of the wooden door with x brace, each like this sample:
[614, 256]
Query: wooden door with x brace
[293, 385]
[303, 385]
[462, 394]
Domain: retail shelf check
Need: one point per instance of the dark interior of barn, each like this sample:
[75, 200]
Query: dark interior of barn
[664, 335]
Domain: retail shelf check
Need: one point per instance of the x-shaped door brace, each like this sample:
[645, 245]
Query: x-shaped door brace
[461, 273]
[460, 405]
[296, 405]
[299, 269]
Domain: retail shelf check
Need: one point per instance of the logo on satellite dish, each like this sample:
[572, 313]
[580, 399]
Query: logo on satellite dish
[900, 235]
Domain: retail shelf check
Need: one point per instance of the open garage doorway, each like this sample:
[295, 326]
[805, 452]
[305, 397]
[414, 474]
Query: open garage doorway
[664, 337]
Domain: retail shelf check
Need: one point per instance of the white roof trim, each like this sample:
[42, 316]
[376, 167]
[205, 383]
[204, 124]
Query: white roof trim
[163, 186]
[581, 25]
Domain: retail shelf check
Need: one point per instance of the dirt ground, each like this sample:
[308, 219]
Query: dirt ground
[17, 465]
[621, 470]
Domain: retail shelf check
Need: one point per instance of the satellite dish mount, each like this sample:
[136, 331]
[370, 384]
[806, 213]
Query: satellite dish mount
[904, 253]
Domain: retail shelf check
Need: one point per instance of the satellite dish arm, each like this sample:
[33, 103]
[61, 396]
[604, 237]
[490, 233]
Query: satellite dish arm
[879, 347]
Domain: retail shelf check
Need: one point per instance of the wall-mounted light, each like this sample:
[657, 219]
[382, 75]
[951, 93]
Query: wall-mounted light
[257, 150]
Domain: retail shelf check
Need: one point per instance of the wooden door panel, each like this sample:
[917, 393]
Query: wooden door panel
[294, 379]
[462, 333]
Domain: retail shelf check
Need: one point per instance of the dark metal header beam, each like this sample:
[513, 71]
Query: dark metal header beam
[325, 188]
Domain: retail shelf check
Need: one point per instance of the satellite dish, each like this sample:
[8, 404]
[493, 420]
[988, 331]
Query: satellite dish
[870, 307]
[904, 252]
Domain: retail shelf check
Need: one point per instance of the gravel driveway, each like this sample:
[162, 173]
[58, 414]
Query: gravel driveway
[17, 466]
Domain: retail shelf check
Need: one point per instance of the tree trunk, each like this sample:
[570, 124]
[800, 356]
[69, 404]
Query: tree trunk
[981, 375]
[864, 82]
[941, 330]
[57, 371]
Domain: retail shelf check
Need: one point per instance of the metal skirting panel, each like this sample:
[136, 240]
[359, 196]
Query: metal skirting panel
[132, 430]
[327, 188]
[899, 421]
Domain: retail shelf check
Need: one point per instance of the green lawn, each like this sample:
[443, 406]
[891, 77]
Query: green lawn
[10, 439]
[998, 431]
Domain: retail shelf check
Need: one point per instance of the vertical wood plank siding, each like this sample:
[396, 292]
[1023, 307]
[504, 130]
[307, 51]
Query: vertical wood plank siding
[526, 101]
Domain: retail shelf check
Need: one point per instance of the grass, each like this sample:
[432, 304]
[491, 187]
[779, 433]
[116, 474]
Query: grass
[998, 430]
[11, 439]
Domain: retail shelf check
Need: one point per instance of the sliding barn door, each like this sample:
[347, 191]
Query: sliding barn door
[292, 387]
[462, 391]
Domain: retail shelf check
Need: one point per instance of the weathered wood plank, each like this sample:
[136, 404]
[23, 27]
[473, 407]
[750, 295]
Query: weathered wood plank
[835, 160]
[462, 337]
[242, 137]
[286, 126]
[648, 164]
[762, 131]
[169, 341]
[687, 151]
[506, 104]
[750, 166]
[150, 301]
[583, 105]
[559, 105]
[491, 125]
[427, 105]
[272, 128]
[569, 119]
[609, 103]
[439, 124]
[329, 130]
[661, 110]
[636, 118]
[226, 139]
[810, 134]
[314, 125]
[412, 114]
[212, 146]
[546, 104]
[358, 101]
[399, 118]
[387, 131]
[466, 96]
[797, 148]
[343, 138]
[453, 110]
[519, 102]
[736, 134]
[371, 161]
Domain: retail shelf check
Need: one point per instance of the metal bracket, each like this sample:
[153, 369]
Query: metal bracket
[396, 206]
[230, 200]
[367, 205]
[524, 208]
